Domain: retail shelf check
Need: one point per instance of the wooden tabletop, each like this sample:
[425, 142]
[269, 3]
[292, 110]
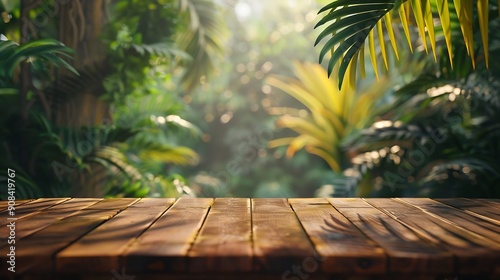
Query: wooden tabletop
[240, 238]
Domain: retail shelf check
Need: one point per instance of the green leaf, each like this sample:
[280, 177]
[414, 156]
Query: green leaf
[352, 23]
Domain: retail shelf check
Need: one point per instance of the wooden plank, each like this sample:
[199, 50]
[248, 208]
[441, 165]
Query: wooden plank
[280, 242]
[45, 218]
[224, 243]
[489, 202]
[484, 212]
[191, 202]
[163, 247]
[100, 250]
[120, 275]
[230, 204]
[30, 208]
[60, 234]
[4, 204]
[266, 205]
[114, 203]
[34, 253]
[456, 217]
[407, 252]
[342, 248]
[348, 203]
[473, 253]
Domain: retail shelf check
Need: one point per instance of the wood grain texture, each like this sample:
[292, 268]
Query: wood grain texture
[482, 211]
[489, 202]
[5, 203]
[31, 208]
[34, 253]
[34, 223]
[164, 246]
[280, 243]
[456, 217]
[101, 249]
[224, 243]
[472, 252]
[342, 248]
[241, 238]
[407, 251]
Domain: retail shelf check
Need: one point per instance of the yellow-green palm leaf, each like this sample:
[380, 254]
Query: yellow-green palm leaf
[349, 23]
[332, 114]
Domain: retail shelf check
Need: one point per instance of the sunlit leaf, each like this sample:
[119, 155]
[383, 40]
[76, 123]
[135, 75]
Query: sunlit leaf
[482, 10]
[351, 23]
[321, 130]
[381, 42]
[418, 12]
[349, 34]
[444, 15]
[464, 11]
[404, 22]
[390, 31]
[362, 69]
[429, 24]
[373, 54]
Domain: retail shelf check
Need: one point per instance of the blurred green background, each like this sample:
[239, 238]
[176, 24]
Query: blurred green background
[225, 98]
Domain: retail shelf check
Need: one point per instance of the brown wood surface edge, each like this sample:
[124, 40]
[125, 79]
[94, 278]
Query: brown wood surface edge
[81, 222]
[275, 250]
[470, 250]
[4, 204]
[478, 227]
[415, 236]
[467, 205]
[151, 252]
[32, 208]
[224, 242]
[406, 249]
[84, 253]
[34, 223]
[339, 245]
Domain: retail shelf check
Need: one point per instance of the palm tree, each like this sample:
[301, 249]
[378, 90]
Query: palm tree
[351, 23]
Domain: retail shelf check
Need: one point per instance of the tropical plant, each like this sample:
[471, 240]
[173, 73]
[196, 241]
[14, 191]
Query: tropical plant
[21, 121]
[135, 70]
[330, 115]
[440, 137]
[37, 53]
[351, 23]
[439, 142]
[231, 108]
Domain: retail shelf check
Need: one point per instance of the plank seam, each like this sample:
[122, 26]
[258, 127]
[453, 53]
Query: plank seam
[472, 213]
[444, 220]
[315, 251]
[191, 244]
[133, 240]
[54, 256]
[375, 243]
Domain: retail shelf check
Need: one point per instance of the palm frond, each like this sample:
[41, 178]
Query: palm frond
[351, 23]
[45, 49]
[161, 50]
[202, 40]
[332, 114]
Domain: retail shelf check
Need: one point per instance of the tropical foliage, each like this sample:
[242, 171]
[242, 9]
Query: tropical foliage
[439, 137]
[134, 150]
[352, 23]
[232, 108]
[331, 115]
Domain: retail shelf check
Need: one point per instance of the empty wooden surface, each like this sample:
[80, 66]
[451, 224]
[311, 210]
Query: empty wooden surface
[243, 238]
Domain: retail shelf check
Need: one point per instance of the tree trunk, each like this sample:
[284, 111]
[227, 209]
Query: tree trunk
[81, 24]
